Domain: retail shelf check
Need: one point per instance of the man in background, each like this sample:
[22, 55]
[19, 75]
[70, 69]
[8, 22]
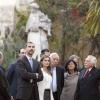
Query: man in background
[4, 95]
[12, 75]
[45, 52]
[57, 76]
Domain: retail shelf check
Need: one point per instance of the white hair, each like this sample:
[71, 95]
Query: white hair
[73, 57]
[92, 59]
[54, 54]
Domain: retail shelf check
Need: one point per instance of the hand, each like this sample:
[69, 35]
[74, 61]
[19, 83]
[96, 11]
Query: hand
[37, 75]
[12, 98]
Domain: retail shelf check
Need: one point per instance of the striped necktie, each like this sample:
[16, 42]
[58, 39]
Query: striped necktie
[86, 74]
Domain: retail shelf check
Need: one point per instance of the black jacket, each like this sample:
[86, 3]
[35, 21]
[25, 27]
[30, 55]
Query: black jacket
[4, 95]
[27, 79]
[88, 87]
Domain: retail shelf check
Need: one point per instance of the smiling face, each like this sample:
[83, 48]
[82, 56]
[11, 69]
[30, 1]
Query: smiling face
[87, 63]
[90, 61]
[71, 66]
[46, 62]
[54, 59]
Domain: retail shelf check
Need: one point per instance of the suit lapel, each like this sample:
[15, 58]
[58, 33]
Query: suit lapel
[34, 65]
[89, 75]
[91, 72]
[57, 75]
[28, 66]
[82, 74]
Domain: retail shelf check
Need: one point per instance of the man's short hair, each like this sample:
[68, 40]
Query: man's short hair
[44, 50]
[28, 42]
[54, 54]
[92, 59]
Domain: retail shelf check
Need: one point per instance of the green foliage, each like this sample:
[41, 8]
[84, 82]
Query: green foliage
[83, 8]
[9, 57]
[15, 42]
[11, 49]
[49, 7]
[92, 23]
[54, 45]
[71, 3]
[60, 13]
[64, 23]
[21, 20]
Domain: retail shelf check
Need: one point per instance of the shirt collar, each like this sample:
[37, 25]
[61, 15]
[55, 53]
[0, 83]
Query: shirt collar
[90, 69]
[53, 68]
[28, 57]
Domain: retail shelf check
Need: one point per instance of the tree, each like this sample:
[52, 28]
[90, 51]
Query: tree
[92, 23]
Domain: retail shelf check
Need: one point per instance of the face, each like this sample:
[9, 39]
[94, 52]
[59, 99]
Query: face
[22, 52]
[46, 62]
[71, 66]
[87, 63]
[30, 48]
[55, 61]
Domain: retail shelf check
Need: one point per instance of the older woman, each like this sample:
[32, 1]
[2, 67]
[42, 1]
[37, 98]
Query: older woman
[70, 81]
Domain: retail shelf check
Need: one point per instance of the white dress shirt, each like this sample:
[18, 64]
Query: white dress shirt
[54, 79]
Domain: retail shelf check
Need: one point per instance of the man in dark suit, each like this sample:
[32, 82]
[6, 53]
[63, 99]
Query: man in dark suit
[4, 95]
[12, 75]
[57, 76]
[88, 84]
[29, 73]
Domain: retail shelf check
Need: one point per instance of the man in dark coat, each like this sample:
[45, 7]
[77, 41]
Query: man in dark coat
[29, 73]
[57, 76]
[4, 95]
[12, 75]
[88, 84]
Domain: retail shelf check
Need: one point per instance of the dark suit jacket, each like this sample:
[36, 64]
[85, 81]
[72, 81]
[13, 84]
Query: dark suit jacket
[27, 79]
[12, 79]
[60, 81]
[88, 87]
[4, 95]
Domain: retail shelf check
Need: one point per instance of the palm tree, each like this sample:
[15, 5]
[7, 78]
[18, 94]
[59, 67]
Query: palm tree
[92, 23]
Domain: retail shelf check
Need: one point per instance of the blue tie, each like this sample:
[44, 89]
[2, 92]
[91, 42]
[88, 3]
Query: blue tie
[31, 63]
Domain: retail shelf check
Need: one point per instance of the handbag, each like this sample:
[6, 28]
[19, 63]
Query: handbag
[47, 95]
